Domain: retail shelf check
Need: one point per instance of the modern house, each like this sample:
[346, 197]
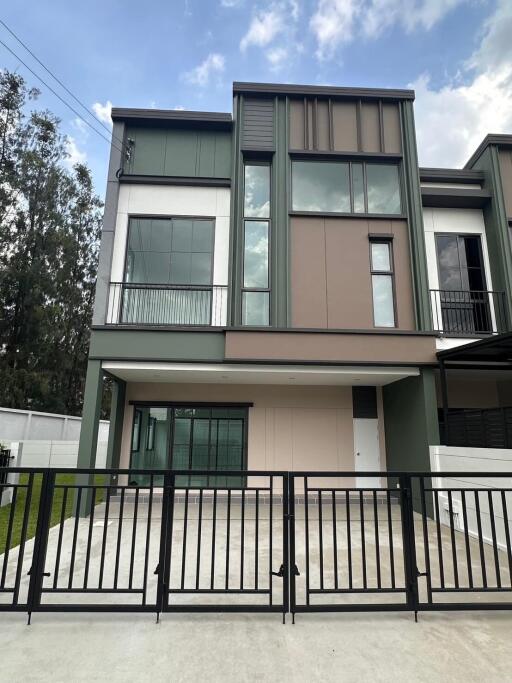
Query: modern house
[283, 288]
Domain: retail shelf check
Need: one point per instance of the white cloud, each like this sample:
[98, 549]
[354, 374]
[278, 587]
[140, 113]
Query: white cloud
[276, 57]
[264, 27]
[201, 74]
[103, 111]
[179, 107]
[337, 22]
[75, 155]
[452, 120]
[333, 24]
[80, 126]
[230, 3]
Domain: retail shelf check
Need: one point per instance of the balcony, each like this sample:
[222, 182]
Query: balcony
[167, 305]
[463, 312]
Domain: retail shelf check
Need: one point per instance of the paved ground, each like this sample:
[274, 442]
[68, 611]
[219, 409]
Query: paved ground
[248, 647]
[387, 647]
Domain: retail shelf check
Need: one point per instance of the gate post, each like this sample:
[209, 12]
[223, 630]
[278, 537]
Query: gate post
[164, 557]
[409, 542]
[291, 569]
[40, 542]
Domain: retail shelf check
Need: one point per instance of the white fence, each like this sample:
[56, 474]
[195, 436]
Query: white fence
[20, 425]
[488, 460]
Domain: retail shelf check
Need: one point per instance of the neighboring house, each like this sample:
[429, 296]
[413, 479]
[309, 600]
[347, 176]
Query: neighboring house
[274, 287]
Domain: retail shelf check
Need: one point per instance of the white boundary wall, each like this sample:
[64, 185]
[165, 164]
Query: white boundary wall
[20, 425]
[453, 459]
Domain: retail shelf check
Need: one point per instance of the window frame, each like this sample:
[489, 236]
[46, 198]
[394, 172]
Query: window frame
[350, 160]
[268, 290]
[139, 413]
[463, 235]
[388, 240]
[168, 217]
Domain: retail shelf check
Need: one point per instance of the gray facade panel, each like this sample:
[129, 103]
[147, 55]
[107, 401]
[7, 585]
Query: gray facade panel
[258, 125]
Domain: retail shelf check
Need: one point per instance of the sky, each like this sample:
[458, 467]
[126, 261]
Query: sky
[185, 54]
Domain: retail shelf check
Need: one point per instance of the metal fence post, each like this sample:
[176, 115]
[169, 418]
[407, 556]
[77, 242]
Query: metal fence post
[409, 541]
[164, 558]
[40, 542]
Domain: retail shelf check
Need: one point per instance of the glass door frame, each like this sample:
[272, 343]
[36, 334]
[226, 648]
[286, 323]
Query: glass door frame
[171, 408]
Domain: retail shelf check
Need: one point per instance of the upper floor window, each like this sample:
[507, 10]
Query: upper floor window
[381, 261]
[256, 284]
[176, 251]
[345, 187]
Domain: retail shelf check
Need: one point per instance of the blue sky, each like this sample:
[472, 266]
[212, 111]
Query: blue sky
[456, 54]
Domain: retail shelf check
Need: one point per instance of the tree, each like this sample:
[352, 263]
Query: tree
[49, 232]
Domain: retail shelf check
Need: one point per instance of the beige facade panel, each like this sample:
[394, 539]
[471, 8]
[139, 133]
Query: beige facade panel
[289, 428]
[345, 126]
[370, 127]
[330, 272]
[505, 156]
[336, 348]
[391, 128]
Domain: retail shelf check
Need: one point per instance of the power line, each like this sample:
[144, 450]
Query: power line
[59, 97]
[84, 107]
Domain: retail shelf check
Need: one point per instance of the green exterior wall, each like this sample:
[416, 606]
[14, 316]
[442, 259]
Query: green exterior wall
[411, 185]
[496, 227]
[179, 152]
[411, 424]
[148, 345]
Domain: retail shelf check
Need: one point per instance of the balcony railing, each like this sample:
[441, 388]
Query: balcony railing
[162, 305]
[468, 312]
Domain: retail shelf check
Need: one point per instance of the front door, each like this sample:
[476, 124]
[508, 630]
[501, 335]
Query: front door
[366, 450]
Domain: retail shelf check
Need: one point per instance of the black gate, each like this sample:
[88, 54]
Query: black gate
[95, 540]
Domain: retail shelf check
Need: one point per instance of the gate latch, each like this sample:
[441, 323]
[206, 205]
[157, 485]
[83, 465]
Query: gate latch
[29, 573]
[280, 573]
[157, 569]
[296, 570]
[418, 573]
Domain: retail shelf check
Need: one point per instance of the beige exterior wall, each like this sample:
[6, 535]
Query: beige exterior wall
[331, 283]
[505, 156]
[476, 392]
[290, 428]
[345, 126]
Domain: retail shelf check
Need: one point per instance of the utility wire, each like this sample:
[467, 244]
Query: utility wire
[59, 97]
[84, 107]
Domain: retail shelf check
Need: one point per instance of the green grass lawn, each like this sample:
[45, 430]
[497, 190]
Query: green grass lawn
[58, 495]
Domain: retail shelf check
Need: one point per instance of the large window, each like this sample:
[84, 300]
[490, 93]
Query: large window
[256, 285]
[463, 299]
[345, 187]
[169, 271]
[190, 438]
[381, 258]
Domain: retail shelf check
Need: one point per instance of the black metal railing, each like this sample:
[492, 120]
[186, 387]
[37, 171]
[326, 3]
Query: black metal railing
[477, 428]
[5, 461]
[277, 542]
[468, 312]
[176, 305]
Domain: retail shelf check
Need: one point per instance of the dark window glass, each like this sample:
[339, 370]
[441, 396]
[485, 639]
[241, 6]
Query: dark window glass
[257, 191]
[163, 251]
[383, 188]
[320, 186]
[256, 254]
[358, 188]
[255, 308]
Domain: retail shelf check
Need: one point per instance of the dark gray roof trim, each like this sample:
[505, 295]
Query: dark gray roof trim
[174, 180]
[319, 90]
[451, 175]
[456, 198]
[171, 115]
[503, 140]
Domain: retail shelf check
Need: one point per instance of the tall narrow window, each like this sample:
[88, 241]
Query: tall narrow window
[382, 283]
[256, 285]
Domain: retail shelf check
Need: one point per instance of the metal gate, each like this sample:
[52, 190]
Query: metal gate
[95, 540]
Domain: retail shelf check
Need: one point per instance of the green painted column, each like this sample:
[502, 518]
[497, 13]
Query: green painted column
[116, 424]
[411, 423]
[89, 429]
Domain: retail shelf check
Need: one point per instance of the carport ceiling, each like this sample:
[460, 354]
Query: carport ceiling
[224, 373]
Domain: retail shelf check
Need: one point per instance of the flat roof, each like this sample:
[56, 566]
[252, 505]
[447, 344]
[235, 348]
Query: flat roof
[326, 90]
[171, 115]
[451, 175]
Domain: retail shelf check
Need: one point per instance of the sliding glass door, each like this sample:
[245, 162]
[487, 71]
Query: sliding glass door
[190, 438]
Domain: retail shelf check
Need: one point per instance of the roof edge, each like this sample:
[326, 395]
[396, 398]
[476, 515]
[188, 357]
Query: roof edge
[450, 175]
[130, 114]
[332, 91]
[503, 139]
